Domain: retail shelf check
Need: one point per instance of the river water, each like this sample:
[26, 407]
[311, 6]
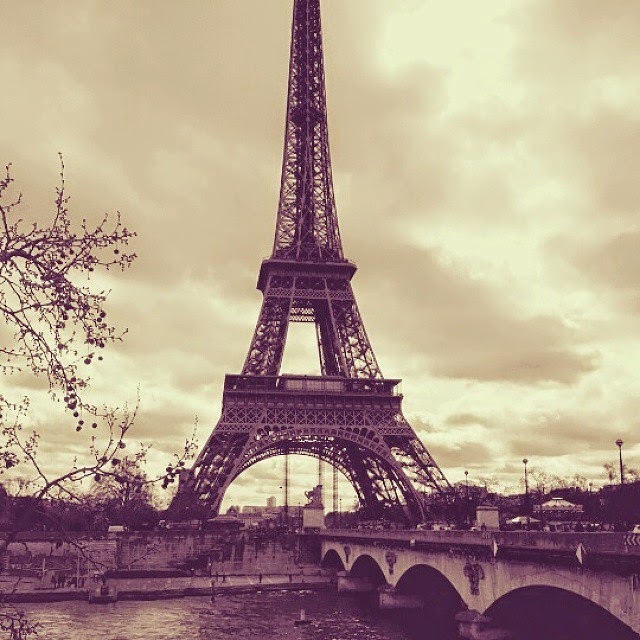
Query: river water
[268, 615]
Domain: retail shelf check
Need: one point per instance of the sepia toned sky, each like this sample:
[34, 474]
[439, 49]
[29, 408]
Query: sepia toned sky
[485, 162]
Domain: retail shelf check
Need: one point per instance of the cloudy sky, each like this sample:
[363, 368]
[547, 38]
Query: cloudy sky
[485, 159]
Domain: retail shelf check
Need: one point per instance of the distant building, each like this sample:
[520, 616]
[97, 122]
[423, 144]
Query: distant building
[252, 509]
[487, 517]
[254, 515]
[271, 501]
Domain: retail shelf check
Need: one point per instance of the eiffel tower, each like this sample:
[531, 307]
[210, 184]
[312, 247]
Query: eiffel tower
[349, 416]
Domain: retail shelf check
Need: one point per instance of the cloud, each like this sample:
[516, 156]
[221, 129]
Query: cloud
[462, 419]
[484, 176]
[467, 454]
[611, 265]
[465, 329]
[606, 144]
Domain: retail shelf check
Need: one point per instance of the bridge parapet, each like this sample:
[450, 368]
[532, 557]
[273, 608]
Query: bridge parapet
[609, 544]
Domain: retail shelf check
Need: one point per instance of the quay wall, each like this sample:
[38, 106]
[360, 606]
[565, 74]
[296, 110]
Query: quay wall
[155, 564]
[201, 551]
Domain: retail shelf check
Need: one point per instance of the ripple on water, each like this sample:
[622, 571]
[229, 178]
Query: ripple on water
[238, 617]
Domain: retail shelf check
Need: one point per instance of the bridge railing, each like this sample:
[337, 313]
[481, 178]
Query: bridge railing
[600, 542]
[310, 384]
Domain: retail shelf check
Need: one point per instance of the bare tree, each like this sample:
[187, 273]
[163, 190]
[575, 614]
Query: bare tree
[612, 472]
[126, 497]
[55, 326]
[490, 483]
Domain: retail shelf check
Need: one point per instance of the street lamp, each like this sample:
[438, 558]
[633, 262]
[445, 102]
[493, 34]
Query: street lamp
[526, 487]
[619, 442]
[467, 515]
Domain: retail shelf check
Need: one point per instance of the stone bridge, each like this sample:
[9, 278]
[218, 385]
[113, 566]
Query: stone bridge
[531, 584]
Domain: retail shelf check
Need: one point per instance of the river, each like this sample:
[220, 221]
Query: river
[268, 615]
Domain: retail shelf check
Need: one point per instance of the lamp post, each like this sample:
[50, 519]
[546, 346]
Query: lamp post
[526, 489]
[467, 515]
[619, 442]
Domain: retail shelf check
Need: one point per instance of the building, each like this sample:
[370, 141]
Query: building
[559, 514]
[487, 517]
[255, 515]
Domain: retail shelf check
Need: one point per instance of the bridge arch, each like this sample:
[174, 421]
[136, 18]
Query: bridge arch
[440, 600]
[365, 566]
[428, 582]
[332, 561]
[540, 611]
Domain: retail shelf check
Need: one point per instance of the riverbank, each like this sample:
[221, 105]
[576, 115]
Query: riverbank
[177, 587]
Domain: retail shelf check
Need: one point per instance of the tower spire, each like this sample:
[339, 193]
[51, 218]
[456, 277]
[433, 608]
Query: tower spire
[307, 225]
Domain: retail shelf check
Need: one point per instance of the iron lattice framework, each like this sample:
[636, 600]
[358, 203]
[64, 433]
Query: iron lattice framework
[350, 416]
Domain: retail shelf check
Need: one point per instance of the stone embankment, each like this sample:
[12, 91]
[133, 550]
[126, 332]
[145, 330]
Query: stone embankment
[145, 565]
[152, 588]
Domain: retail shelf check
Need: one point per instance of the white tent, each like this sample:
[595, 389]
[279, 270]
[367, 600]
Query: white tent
[523, 520]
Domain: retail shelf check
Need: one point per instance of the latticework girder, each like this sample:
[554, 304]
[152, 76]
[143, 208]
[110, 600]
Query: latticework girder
[355, 425]
[307, 225]
[350, 416]
[306, 295]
